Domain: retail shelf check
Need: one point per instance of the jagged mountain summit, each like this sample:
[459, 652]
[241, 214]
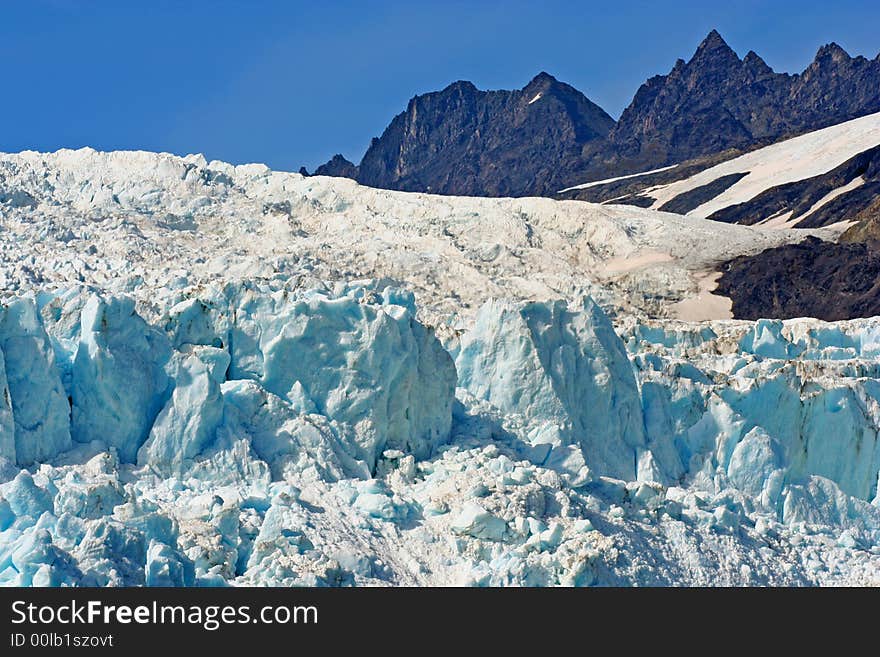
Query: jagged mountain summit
[717, 101]
[549, 136]
[482, 143]
[465, 141]
[339, 167]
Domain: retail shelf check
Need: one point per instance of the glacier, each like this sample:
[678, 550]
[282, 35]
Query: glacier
[539, 450]
[185, 406]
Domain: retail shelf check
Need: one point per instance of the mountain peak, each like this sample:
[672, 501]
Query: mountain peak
[832, 52]
[463, 84]
[714, 46]
[753, 58]
[458, 141]
[753, 61]
[338, 166]
[542, 78]
[542, 82]
[713, 40]
[459, 87]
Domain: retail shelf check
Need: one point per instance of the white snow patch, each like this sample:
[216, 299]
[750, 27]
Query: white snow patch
[704, 305]
[596, 183]
[778, 220]
[785, 162]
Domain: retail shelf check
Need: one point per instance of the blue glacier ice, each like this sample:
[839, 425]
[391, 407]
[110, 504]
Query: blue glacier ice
[32, 387]
[358, 358]
[563, 368]
[167, 567]
[268, 432]
[188, 423]
[118, 382]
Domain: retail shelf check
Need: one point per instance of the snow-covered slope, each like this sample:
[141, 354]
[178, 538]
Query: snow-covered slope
[784, 162]
[209, 378]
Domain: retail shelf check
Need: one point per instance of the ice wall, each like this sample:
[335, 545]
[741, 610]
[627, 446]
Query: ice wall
[563, 369]
[762, 406]
[279, 433]
[89, 368]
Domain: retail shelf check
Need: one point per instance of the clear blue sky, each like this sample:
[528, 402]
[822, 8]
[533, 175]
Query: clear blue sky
[291, 83]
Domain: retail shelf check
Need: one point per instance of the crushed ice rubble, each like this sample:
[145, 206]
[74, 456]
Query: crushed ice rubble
[261, 433]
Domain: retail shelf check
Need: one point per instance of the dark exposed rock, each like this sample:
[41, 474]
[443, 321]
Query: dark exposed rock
[846, 207]
[639, 201]
[867, 227]
[694, 198]
[810, 279]
[698, 108]
[338, 166]
[494, 143]
[548, 136]
[717, 101]
[624, 190]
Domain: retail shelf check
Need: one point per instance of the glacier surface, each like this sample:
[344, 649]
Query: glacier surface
[183, 405]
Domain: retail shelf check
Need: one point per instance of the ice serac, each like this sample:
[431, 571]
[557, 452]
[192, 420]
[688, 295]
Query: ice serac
[7, 423]
[166, 567]
[566, 370]
[361, 365]
[315, 380]
[188, 423]
[40, 410]
[118, 382]
[794, 401]
[733, 452]
[357, 357]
